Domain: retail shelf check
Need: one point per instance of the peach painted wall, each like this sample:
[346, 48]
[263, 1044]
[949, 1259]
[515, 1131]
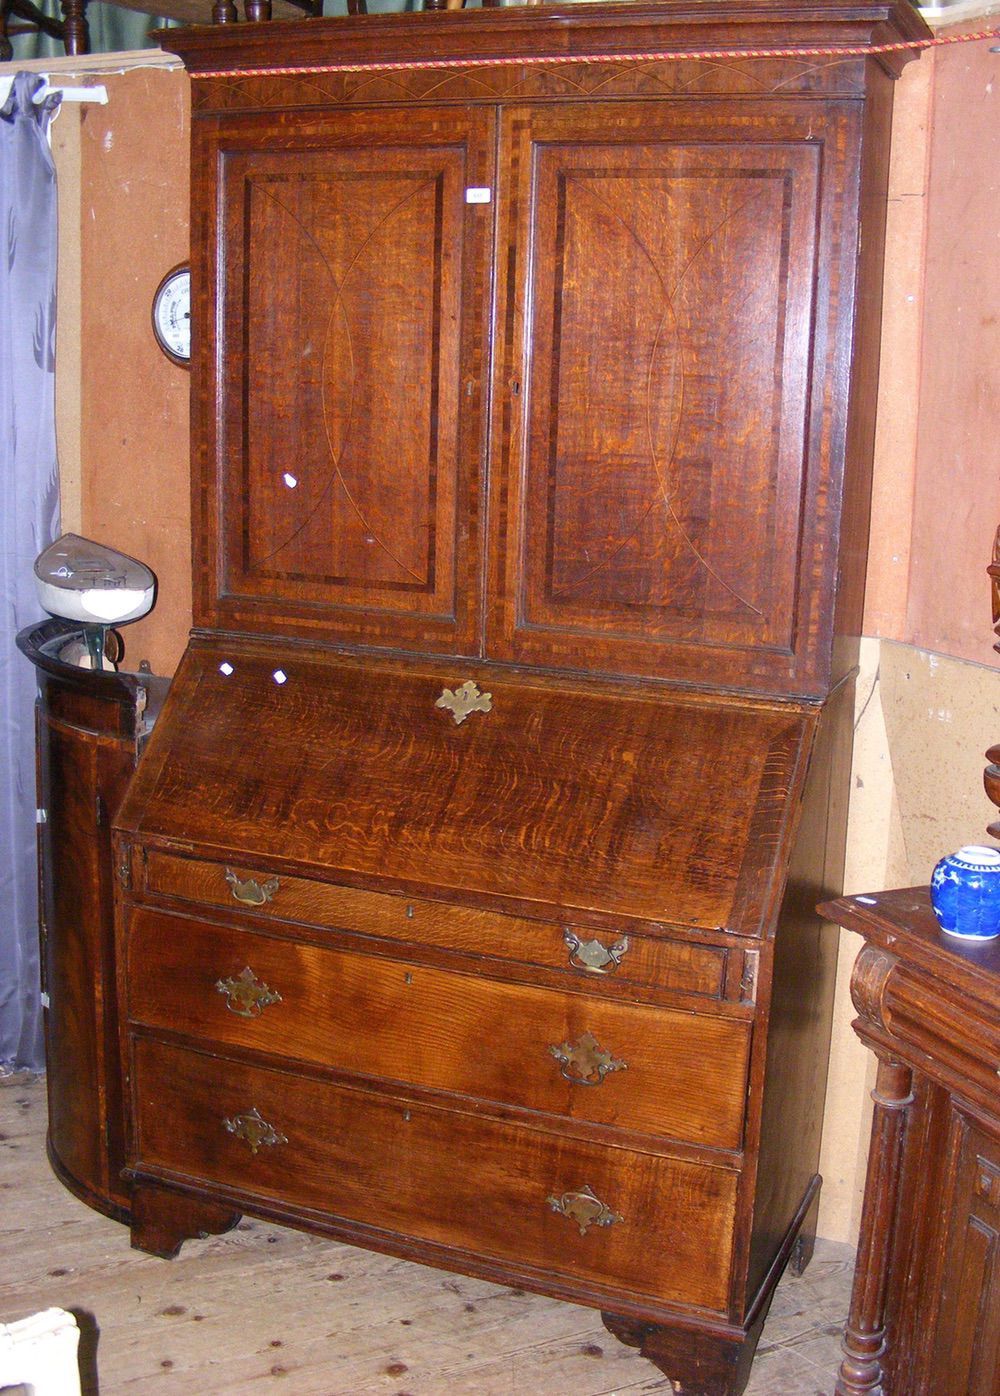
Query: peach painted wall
[925, 712]
[936, 504]
[127, 213]
[957, 489]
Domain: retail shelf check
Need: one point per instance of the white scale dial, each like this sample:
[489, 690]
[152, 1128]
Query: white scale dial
[172, 315]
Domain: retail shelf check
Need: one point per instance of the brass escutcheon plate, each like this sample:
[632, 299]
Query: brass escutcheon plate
[250, 891]
[592, 955]
[245, 995]
[465, 699]
[584, 1208]
[585, 1062]
[254, 1130]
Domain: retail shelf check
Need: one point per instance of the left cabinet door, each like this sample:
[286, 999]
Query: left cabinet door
[341, 291]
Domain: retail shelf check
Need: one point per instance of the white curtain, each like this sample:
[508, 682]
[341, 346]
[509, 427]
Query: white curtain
[29, 520]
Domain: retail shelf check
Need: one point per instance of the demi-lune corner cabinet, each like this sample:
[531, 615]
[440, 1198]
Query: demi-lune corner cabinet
[467, 883]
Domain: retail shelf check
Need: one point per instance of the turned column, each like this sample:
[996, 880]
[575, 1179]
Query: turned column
[76, 31]
[864, 1338]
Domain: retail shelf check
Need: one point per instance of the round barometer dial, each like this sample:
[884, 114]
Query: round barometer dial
[172, 315]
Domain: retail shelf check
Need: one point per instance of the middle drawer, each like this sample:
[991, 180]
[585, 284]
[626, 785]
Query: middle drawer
[654, 1070]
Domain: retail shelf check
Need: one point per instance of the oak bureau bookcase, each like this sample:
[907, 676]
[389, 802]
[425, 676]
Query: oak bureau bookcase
[467, 883]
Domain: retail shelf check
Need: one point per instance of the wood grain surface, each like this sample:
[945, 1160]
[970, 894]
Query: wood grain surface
[375, 1161]
[660, 807]
[680, 1074]
[925, 1308]
[551, 385]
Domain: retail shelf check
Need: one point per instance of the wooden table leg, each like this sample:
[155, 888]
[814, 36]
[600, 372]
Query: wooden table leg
[864, 1339]
[76, 31]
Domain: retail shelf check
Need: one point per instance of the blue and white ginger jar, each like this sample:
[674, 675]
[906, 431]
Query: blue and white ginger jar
[965, 893]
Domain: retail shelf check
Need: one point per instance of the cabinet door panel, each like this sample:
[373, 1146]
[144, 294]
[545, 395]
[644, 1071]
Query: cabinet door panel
[966, 1352]
[83, 773]
[662, 500]
[351, 329]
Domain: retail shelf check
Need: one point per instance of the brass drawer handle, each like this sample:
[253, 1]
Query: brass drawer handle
[592, 956]
[254, 1130]
[251, 892]
[466, 699]
[245, 995]
[585, 1208]
[585, 1062]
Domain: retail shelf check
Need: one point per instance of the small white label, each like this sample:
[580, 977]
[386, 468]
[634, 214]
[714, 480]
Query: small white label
[476, 195]
[45, 1000]
[41, 816]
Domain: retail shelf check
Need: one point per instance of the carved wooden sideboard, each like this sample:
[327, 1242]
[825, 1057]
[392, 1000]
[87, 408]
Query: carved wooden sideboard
[468, 883]
[925, 1312]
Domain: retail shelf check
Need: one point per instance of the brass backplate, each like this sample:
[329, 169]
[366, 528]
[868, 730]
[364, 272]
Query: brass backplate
[254, 1130]
[465, 699]
[245, 995]
[584, 1208]
[592, 955]
[251, 892]
[585, 1062]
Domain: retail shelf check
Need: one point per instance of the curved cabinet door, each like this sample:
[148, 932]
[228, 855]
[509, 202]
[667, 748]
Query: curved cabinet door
[89, 730]
[77, 908]
[83, 772]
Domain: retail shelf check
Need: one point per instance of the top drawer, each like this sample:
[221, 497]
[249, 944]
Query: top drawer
[625, 958]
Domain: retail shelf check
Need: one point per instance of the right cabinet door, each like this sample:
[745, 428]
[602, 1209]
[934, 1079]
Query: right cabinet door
[965, 1349]
[673, 310]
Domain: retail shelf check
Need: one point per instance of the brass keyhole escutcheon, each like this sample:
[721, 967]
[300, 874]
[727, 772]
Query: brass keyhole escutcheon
[465, 699]
[584, 1208]
[585, 1062]
[245, 995]
[254, 1130]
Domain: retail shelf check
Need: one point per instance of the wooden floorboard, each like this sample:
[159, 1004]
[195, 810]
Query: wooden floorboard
[267, 1309]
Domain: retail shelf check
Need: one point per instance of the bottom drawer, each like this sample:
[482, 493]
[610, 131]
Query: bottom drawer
[439, 1175]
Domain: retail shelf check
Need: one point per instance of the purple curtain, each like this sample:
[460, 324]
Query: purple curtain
[29, 519]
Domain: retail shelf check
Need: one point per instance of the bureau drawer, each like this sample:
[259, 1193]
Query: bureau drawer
[438, 1175]
[655, 1070]
[648, 960]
